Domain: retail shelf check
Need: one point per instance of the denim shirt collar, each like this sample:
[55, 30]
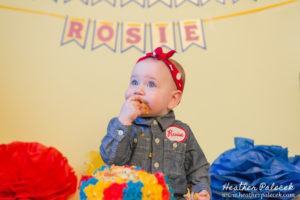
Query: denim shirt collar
[164, 121]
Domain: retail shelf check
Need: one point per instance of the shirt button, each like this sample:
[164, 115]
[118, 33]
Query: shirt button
[135, 140]
[174, 145]
[156, 164]
[156, 140]
[155, 122]
[120, 132]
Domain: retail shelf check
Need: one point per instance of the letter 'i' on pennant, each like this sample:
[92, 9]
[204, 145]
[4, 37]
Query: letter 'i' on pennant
[105, 34]
[203, 2]
[162, 34]
[234, 1]
[165, 2]
[66, 1]
[75, 30]
[191, 33]
[138, 2]
[179, 2]
[133, 35]
[111, 2]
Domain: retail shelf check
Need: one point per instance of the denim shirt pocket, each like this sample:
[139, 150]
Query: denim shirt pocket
[174, 158]
[141, 149]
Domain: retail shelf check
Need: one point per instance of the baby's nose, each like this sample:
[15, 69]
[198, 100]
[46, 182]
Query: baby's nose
[140, 90]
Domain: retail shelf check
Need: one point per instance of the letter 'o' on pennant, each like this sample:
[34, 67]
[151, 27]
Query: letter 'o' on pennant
[191, 32]
[75, 30]
[165, 2]
[162, 34]
[133, 35]
[138, 2]
[105, 34]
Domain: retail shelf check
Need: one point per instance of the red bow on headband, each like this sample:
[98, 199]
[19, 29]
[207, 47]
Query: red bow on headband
[160, 55]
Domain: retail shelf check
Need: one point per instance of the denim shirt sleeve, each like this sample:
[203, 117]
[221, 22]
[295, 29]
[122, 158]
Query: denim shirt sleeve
[115, 147]
[196, 166]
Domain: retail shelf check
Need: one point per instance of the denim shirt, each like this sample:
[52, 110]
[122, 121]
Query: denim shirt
[146, 144]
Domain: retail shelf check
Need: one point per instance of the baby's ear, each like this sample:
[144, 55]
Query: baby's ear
[175, 99]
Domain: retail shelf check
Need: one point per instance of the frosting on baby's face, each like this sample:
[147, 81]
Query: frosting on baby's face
[152, 81]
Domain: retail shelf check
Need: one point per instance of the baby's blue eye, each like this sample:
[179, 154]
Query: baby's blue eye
[134, 82]
[151, 84]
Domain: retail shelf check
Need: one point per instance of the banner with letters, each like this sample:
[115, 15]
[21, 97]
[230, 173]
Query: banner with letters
[133, 34]
[94, 34]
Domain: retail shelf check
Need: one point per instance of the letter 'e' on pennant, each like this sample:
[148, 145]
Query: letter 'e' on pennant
[162, 34]
[75, 30]
[191, 33]
[105, 33]
[133, 35]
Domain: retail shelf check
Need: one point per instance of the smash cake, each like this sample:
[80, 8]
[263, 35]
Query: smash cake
[124, 183]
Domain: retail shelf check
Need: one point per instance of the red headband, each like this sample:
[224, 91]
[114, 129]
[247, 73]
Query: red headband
[160, 55]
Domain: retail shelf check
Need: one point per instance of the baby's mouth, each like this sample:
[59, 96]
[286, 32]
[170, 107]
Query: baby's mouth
[145, 107]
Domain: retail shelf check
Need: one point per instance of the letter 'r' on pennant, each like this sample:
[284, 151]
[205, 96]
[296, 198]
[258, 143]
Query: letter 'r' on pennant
[165, 2]
[162, 34]
[191, 33]
[105, 34]
[138, 2]
[75, 30]
[133, 35]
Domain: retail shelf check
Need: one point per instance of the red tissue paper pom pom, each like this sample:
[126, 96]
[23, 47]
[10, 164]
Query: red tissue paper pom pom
[34, 171]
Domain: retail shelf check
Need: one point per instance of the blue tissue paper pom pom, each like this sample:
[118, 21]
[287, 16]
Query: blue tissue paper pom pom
[255, 172]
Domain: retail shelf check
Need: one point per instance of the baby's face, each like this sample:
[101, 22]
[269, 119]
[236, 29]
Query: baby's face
[152, 80]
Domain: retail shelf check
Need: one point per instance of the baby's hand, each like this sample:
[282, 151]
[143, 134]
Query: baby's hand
[133, 107]
[203, 195]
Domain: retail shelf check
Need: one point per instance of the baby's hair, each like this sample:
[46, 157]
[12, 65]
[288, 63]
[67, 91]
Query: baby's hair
[180, 69]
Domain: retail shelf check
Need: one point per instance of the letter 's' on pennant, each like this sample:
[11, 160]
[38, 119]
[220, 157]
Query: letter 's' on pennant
[162, 34]
[75, 30]
[133, 35]
[191, 32]
[105, 34]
